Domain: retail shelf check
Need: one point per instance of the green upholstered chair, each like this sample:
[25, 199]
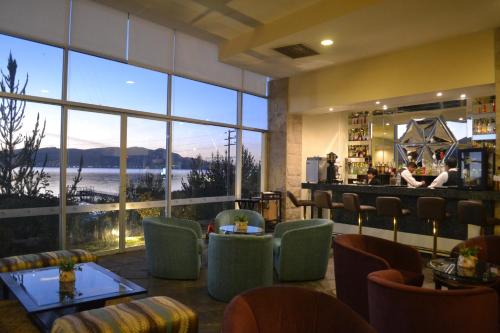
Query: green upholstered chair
[148, 315]
[237, 263]
[301, 249]
[173, 247]
[228, 216]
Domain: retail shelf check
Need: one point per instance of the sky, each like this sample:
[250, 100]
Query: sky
[104, 82]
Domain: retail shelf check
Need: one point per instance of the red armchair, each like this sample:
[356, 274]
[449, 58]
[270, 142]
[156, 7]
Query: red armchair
[291, 310]
[356, 256]
[396, 307]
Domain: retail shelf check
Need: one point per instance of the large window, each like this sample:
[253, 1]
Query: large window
[193, 99]
[118, 137]
[38, 67]
[99, 81]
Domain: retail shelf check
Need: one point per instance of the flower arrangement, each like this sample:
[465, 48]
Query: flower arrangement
[67, 271]
[468, 257]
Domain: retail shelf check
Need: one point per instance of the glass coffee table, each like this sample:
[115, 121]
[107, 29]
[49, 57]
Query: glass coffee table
[446, 273]
[45, 299]
[250, 230]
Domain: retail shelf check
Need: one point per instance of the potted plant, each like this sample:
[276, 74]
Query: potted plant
[67, 271]
[468, 257]
[241, 222]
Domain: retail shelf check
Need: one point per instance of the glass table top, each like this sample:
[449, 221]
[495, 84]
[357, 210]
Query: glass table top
[447, 268]
[42, 286]
[232, 229]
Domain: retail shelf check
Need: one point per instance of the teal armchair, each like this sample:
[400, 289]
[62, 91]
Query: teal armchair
[301, 249]
[173, 247]
[228, 216]
[237, 263]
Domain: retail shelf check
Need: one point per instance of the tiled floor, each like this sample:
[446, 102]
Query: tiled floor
[133, 266]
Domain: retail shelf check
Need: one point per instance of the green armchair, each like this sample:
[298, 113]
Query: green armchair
[173, 247]
[228, 216]
[237, 263]
[301, 249]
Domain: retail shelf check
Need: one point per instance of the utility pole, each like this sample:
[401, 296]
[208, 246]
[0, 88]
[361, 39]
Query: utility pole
[230, 142]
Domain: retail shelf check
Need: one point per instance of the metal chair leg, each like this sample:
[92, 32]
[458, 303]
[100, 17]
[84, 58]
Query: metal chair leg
[434, 234]
[360, 223]
[395, 224]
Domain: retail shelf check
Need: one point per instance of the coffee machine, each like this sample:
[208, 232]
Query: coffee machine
[332, 170]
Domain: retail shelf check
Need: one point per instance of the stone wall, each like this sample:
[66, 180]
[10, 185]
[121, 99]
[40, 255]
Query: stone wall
[285, 147]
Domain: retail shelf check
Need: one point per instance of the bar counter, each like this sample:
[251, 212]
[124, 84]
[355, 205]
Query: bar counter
[450, 228]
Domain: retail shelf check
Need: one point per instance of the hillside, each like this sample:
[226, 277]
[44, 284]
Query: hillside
[109, 157]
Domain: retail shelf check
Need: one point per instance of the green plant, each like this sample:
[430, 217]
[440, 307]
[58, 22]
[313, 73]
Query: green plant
[469, 251]
[241, 219]
[69, 266]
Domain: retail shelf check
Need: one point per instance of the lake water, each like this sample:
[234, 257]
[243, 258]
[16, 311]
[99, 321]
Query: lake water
[107, 180]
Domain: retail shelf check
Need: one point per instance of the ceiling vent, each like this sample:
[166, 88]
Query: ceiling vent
[296, 51]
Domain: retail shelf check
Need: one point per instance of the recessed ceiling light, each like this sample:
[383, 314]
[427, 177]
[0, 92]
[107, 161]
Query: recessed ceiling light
[439, 94]
[387, 124]
[463, 96]
[129, 82]
[330, 109]
[377, 102]
[384, 107]
[385, 133]
[460, 118]
[327, 42]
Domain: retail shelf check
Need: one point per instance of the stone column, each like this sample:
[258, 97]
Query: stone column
[285, 147]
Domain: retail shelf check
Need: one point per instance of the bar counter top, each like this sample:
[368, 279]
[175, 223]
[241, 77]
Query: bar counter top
[450, 228]
[390, 190]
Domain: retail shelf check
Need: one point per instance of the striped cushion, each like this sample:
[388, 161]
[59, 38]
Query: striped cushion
[154, 315]
[45, 259]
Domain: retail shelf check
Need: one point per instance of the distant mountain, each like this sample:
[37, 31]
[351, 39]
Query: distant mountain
[109, 157]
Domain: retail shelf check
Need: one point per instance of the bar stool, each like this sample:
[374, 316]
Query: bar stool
[391, 207]
[323, 200]
[301, 203]
[432, 209]
[473, 212]
[351, 203]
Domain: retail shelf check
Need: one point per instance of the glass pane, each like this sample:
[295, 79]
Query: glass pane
[202, 213]
[251, 163]
[146, 159]
[254, 111]
[31, 234]
[100, 81]
[39, 66]
[203, 151]
[29, 176]
[94, 231]
[134, 233]
[32, 181]
[93, 174]
[193, 99]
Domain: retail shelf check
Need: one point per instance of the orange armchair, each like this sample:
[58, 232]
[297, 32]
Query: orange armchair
[283, 309]
[356, 256]
[396, 307]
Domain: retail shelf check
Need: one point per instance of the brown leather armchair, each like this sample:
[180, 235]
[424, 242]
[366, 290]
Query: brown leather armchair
[396, 307]
[292, 310]
[356, 256]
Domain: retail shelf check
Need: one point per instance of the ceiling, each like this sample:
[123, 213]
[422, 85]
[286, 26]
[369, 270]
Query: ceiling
[248, 30]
